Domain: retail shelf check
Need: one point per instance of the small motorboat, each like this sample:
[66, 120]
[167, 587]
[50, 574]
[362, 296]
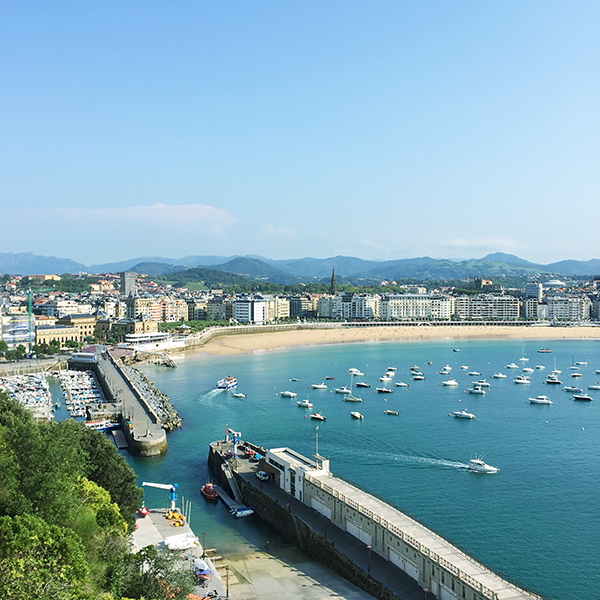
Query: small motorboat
[351, 398]
[445, 370]
[415, 368]
[521, 379]
[498, 375]
[143, 510]
[544, 350]
[362, 384]
[294, 379]
[318, 417]
[482, 383]
[319, 386]
[573, 389]
[392, 369]
[384, 378]
[209, 491]
[239, 395]
[384, 390]
[463, 414]
[476, 465]
[420, 377]
[582, 362]
[356, 372]
[540, 367]
[391, 412]
[464, 367]
[540, 400]
[584, 397]
[593, 387]
[329, 377]
[288, 394]
[473, 373]
[356, 415]
[305, 403]
[242, 511]
[343, 390]
[450, 382]
[455, 349]
[528, 370]
[401, 384]
[478, 390]
[553, 380]
[511, 366]
[576, 374]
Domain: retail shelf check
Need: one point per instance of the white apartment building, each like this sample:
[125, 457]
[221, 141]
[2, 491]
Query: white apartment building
[569, 308]
[409, 307]
[59, 308]
[534, 290]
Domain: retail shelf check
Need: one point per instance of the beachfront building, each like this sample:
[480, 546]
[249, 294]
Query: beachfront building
[535, 290]
[416, 307]
[488, 307]
[348, 306]
[569, 308]
[220, 308]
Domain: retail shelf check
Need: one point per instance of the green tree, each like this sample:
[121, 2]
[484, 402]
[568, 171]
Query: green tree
[3, 346]
[40, 561]
[156, 574]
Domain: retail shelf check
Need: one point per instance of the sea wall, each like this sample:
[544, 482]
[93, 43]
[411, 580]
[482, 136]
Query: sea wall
[296, 531]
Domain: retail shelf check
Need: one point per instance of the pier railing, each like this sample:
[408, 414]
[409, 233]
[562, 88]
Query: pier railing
[424, 550]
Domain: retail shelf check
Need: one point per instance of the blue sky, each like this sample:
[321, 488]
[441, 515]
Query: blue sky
[385, 129]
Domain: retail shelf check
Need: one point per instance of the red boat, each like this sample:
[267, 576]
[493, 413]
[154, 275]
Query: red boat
[143, 511]
[209, 491]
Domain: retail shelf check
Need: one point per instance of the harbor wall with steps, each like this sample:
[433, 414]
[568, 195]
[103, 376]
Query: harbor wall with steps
[298, 532]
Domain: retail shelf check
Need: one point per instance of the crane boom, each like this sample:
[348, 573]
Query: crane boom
[162, 486]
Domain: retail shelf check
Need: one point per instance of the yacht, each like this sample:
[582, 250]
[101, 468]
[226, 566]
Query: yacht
[384, 390]
[528, 370]
[540, 367]
[455, 349]
[384, 378]
[362, 384]
[356, 373]
[498, 375]
[576, 374]
[319, 386]
[415, 368]
[318, 417]
[540, 400]
[450, 382]
[343, 390]
[391, 412]
[477, 390]
[597, 371]
[584, 397]
[482, 383]
[553, 380]
[356, 415]
[581, 362]
[463, 414]
[511, 366]
[474, 373]
[305, 403]
[521, 379]
[401, 384]
[573, 389]
[595, 386]
[476, 465]
[445, 370]
[287, 394]
[419, 377]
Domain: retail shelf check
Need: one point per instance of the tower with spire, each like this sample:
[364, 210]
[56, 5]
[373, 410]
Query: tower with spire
[333, 288]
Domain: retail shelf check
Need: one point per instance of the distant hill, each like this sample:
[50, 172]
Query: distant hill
[27, 263]
[290, 271]
[211, 278]
[257, 269]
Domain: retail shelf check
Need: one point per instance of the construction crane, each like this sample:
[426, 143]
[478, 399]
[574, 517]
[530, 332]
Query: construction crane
[172, 487]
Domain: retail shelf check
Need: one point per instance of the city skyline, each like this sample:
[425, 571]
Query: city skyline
[381, 130]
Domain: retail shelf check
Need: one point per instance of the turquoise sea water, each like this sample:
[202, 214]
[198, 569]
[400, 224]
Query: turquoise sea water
[537, 521]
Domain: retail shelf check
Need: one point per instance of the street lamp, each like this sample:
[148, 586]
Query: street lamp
[369, 563]
[203, 545]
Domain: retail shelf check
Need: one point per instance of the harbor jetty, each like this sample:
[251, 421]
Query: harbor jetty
[371, 543]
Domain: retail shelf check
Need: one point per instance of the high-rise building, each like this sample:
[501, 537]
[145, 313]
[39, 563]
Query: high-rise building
[128, 283]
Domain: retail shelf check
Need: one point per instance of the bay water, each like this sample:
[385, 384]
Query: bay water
[537, 521]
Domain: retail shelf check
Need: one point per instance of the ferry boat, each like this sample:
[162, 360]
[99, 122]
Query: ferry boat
[227, 383]
[540, 400]
[288, 394]
[476, 465]
[463, 414]
[101, 425]
[209, 491]
[356, 415]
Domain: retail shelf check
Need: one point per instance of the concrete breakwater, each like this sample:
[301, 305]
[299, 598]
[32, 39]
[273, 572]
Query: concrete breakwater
[372, 544]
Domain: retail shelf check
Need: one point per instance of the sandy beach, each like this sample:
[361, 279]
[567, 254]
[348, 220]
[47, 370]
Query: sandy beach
[270, 340]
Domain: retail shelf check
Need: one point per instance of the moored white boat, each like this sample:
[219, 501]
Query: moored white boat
[356, 415]
[498, 375]
[593, 387]
[343, 390]
[238, 395]
[362, 384]
[477, 390]
[584, 397]
[450, 382]
[401, 384]
[540, 400]
[463, 414]
[521, 379]
[305, 403]
[473, 373]
[511, 366]
[319, 386]
[384, 390]
[288, 394]
[573, 389]
[318, 417]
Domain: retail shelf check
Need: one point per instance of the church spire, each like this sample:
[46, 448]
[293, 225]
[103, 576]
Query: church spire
[333, 288]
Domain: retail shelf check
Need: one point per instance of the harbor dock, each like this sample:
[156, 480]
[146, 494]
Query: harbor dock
[372, 544]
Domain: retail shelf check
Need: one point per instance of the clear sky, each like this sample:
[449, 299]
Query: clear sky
[377, 129]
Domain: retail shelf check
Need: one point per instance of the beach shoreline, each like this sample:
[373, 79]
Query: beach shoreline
[280, 340]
